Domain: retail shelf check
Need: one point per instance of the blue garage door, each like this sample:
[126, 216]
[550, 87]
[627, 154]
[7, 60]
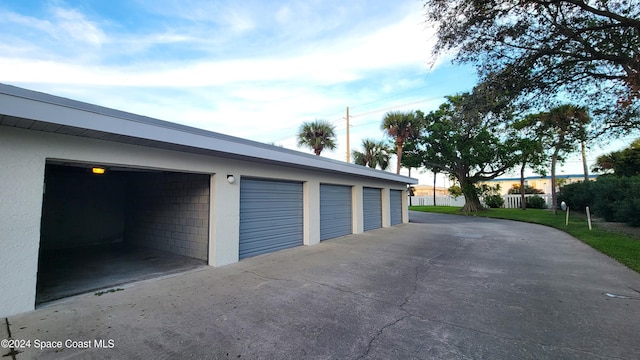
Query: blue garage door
[372, 201]
[270, 216]
[396, 206]
[335, 211]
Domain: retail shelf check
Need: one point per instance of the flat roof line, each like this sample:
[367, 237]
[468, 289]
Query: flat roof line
[162, 131]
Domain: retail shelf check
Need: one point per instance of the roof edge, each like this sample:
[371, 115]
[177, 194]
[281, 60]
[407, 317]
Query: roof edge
[92, 117]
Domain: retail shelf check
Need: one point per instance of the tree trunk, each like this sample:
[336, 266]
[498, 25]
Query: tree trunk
[584, 162]
[523, 202]
[472, 201]
[434, 188]
[410, 197]
[554, 160]
[399, 158]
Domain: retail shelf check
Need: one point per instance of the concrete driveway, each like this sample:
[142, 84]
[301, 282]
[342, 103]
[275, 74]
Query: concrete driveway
[442, 287]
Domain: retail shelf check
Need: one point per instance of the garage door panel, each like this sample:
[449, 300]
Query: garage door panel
[396, 206]
[266, 230]
[335, 211]
[372, 201]
[271, 216]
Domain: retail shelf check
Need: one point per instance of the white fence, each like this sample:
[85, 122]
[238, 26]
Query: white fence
[510, 201]
[513, 201]
[440, 201]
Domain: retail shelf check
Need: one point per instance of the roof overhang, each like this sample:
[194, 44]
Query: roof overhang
[38, 111]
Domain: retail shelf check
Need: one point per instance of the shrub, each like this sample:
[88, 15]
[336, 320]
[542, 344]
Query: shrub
[455, 191]
[628, 209]
[536, 202]
[578, 195]
[609, 194]
[528, 189]
[613, 198]
[494, 201]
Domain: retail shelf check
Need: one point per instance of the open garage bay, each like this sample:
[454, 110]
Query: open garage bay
[126, 224]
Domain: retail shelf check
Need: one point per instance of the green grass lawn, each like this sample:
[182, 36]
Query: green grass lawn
[621, 247]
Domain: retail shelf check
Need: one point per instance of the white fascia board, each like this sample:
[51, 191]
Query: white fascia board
[27, 104]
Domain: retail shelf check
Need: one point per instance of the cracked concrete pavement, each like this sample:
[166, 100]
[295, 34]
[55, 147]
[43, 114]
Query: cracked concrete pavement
[441, 287]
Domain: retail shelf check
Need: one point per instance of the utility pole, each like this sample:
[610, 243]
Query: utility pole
[348, 146]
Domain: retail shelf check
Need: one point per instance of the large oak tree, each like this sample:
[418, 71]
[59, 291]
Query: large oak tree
[587, 50]
[466, 138]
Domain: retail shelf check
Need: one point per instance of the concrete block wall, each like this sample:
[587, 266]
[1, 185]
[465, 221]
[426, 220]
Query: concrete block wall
[170, 212]
[81, 209]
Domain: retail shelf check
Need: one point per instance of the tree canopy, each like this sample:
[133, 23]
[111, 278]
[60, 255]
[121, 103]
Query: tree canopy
[412, 154]
[587, 50]
[317, 135]
[375, 154]
[622, 163]
[465, 138]
[529, 151]
[560, 129]
[401, 127]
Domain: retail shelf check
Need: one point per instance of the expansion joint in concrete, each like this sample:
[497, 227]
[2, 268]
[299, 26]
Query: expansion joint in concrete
[266, 277]
[12, 351]
[417, 270]
[379, 333]
[352, 292]
[333, 287]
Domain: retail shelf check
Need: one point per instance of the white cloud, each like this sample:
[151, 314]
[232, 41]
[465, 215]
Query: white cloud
[284, 15]
[72, 23]
[258, 71]
[342, 60]
[63, 25]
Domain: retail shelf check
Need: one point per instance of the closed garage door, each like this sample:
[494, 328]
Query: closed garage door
[270, 216]
[335, 211]
[372, 201]
[396, 207]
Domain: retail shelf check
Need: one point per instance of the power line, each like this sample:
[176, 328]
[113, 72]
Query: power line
[395, 107]
[339, 121]
[389, 97]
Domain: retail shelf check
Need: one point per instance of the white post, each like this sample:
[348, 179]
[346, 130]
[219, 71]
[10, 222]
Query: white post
[589, 218]
[566, 222]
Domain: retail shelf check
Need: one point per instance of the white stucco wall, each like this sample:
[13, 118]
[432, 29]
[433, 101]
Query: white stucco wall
[225, 220]
[23, 155]
[311, 206]
[21, 185]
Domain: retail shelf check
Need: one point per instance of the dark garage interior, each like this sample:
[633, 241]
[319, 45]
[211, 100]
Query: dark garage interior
[127, 224]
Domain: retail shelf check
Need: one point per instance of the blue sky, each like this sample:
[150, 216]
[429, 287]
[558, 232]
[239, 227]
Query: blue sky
[252, 69]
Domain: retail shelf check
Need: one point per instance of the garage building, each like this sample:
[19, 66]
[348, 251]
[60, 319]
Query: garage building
[87, 188]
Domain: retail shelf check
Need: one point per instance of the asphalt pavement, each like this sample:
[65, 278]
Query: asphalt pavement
[441, 287]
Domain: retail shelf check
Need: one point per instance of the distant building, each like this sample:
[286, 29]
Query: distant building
[427, 190]
[538, 182]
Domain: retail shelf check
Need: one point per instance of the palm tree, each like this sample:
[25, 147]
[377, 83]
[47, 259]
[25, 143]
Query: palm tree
[562, 126]
[376, 153]
[317, 135]
[401, 126]
[605, 163]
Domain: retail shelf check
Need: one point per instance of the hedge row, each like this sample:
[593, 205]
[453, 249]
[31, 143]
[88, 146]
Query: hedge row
[612, 198]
